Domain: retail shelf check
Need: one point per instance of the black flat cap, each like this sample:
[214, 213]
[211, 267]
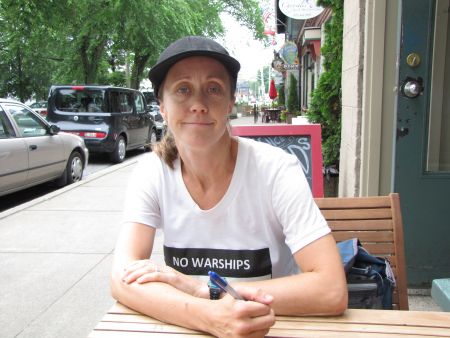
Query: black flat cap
[187, 47]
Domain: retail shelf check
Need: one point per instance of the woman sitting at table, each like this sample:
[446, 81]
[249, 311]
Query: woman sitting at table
[232, 205]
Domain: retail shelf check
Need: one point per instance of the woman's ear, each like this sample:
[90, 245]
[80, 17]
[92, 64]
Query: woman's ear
[162, 109]
[231, 105]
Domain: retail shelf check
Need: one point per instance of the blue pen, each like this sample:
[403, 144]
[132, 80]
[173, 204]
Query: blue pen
[223, 284]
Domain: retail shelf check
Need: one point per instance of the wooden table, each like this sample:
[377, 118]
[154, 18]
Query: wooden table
[121, 322]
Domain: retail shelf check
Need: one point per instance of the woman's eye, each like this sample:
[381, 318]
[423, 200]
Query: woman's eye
[214, 89]
[183, 90]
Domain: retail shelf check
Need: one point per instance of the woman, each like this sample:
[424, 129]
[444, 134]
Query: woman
[233, 205]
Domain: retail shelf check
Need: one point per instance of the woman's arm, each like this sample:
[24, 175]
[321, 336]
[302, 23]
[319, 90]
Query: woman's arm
[321, 287]
[223, 318]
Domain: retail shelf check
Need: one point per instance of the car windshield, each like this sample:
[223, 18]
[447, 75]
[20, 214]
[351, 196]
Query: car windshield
[80, 100]
[42, 104]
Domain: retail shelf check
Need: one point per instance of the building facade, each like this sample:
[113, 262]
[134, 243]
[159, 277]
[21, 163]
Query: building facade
[395, 133]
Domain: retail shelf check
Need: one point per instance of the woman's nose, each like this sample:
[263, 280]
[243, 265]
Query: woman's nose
[199, 104]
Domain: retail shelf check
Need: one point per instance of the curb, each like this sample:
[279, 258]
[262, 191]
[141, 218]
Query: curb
[62, 190]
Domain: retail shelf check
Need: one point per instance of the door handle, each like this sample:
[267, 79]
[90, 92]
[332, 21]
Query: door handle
[412, 88]
[32, 147]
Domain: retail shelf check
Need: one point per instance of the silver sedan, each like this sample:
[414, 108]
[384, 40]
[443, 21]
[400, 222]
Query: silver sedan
[33, 152]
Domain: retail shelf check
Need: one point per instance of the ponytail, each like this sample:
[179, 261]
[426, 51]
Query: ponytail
[166, 149]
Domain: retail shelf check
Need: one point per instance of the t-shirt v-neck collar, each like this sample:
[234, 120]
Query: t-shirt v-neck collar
[233, 188]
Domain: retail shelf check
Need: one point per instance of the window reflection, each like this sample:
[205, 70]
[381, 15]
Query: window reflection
[438, 158]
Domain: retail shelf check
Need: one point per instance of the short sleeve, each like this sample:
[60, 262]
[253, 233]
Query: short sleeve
[295, 207]
[141, 198]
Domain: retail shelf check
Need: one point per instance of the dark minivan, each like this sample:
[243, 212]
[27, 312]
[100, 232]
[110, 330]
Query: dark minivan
[110, 119]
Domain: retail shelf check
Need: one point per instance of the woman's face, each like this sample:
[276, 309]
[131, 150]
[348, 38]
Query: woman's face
[196, 101]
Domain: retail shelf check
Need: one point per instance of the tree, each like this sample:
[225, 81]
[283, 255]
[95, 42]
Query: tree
[83, 39]
[325, 107]
[292, 100]
[24, 69]
[100, 41]
[145, 41]
[264, 79]
[281, 95]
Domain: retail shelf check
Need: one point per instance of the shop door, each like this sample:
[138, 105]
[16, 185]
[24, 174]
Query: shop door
[422, 160]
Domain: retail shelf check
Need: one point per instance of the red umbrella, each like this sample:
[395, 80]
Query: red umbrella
[272, 90]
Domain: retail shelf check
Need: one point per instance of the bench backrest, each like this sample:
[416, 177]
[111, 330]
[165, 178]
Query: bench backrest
[377, 223]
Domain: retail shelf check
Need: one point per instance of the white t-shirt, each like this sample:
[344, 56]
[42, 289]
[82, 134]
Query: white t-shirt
[266, 215]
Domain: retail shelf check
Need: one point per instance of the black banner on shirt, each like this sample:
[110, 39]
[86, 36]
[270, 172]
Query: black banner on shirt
[227, 263]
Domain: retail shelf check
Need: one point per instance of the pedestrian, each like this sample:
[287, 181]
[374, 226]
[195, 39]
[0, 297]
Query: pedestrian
[233, 205]
[255, 113]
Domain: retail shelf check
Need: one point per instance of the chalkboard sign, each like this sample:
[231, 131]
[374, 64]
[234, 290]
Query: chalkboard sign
[304, 141]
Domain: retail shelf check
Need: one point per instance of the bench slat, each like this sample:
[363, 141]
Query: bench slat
[353, 202]
[361, 224]
[348, 214]
[365, 236]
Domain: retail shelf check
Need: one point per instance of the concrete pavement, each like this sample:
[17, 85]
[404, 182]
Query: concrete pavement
[55, 257]
[56, 254]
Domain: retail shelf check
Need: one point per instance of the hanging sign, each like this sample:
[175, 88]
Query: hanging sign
[300, 9]
[289, 53]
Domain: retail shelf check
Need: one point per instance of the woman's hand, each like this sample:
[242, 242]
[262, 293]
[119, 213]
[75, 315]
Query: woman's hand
[236, 318]
[145, 271]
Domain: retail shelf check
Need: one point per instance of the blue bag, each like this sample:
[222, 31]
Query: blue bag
[370, 279]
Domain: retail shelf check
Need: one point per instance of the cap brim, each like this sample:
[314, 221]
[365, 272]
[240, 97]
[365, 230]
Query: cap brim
[159, 71]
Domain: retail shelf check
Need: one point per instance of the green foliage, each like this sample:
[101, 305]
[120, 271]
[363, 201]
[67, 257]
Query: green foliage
[325, 106]
[265, 78]
[45, 42]
[281, 96]
[23, 69]
[292, 100]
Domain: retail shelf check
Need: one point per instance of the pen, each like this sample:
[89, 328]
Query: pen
[223, 284]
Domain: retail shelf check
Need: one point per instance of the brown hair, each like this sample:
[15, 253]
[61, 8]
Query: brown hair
[166, 149]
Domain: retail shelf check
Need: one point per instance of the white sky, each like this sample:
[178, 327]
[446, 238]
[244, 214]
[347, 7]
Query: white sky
[251, 53]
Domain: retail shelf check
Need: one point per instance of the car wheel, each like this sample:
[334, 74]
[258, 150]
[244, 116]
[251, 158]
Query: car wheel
[74, 170]
[153, 137]
[118, 155]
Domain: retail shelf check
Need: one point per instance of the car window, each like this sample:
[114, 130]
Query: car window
[121, 102]
[29, 124]
[139, 103]
[149, 97]
[5, 127]
[80, 99]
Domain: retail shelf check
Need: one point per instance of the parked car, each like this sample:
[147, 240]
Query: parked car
[161, 126]
[33, 152]
[40, 107]
[111, 120]
[150, 97]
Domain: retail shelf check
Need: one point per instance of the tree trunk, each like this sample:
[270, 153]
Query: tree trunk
[137, 69]
[91, 60]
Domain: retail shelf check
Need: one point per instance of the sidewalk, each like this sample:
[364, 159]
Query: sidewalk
[55, 257]
[56, 254]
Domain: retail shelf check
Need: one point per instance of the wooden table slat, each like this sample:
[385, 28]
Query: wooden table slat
[128, 334]
[122, 322]
[143, 327]
[351, 328]
[384, 317]
[328, 334]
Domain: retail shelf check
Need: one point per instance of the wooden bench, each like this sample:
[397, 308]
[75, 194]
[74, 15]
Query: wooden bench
[377, 223]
